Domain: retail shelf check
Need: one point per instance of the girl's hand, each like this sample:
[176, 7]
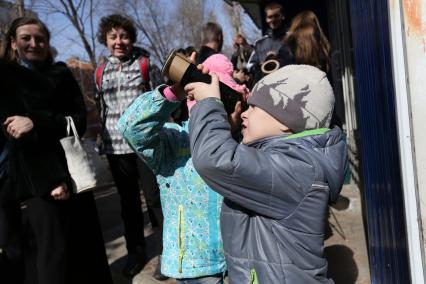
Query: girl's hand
[61, 192]
[192, 57]
[17, 126]
[200, 91]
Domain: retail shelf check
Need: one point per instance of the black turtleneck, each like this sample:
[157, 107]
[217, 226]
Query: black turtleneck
[204, 53]
[278, 33]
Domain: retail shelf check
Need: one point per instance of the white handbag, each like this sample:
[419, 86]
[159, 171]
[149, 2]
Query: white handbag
[82, 160]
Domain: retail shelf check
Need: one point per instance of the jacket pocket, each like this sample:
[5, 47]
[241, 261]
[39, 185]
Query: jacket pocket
[181, 237]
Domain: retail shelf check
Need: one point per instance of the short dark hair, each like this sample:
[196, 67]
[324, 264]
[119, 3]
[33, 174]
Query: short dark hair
[189, 50]
[273, 6]
[212, 32]
[110, 22]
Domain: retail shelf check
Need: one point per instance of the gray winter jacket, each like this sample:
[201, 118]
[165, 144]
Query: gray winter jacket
[276, 193]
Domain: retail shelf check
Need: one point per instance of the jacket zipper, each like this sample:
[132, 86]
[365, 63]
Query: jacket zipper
[119, 87]
[253, 278]
[181, 237]
[119, 78]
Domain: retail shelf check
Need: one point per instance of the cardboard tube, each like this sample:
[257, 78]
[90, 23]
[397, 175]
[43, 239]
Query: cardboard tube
[175, 66]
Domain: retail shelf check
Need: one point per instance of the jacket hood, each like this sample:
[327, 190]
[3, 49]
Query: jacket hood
[330, 151]
[327, 147]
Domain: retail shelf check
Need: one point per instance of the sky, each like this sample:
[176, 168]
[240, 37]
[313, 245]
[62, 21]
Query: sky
[68, 44]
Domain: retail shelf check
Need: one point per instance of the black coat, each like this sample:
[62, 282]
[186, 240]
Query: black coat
[204, 53]
[46, 96]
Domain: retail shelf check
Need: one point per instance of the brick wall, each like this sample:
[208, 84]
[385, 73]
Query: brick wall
[83, 72]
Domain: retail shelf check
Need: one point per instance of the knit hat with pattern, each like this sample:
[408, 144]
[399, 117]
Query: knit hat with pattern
[298, 96]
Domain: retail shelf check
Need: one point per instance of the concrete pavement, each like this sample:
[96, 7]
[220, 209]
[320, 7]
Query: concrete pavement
[345, 248]
[108, 204]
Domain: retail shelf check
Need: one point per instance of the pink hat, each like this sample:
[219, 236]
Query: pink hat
[223, 68]
[220, 65]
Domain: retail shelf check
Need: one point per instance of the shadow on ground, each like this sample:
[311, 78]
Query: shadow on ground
[342, 267]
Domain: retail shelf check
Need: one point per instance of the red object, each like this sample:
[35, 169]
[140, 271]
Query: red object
[143, 65]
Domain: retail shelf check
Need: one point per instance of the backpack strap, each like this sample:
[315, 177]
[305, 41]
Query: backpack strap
[100, 103]
[98, 75]
[144, 66]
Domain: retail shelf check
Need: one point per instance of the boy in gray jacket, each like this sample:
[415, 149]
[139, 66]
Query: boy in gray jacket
[278, 182]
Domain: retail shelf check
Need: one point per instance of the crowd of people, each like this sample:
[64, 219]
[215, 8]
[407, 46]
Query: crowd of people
[239, 194]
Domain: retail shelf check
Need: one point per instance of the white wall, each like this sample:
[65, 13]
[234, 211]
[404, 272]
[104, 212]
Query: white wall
[414, 12]
[408, 40]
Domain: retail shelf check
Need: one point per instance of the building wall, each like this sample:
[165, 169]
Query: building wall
[83, 72]
[414, 12]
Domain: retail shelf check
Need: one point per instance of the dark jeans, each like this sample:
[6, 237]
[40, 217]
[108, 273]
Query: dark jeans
[127, 170]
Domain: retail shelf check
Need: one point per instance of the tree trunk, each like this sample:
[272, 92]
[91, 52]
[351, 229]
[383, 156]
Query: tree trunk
[21, 8]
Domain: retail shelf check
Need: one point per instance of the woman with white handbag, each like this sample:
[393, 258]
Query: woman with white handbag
[37, 95]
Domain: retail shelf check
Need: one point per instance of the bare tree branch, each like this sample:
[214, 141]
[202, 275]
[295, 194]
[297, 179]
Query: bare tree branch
[149, 35]
[21, 7]
[75, 12]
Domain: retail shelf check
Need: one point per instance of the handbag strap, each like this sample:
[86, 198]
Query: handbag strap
[71, 126]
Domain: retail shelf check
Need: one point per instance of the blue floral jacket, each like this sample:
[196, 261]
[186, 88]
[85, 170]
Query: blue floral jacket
[192, 244]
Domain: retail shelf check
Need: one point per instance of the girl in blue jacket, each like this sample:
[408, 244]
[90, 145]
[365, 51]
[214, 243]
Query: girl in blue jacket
[192, 244]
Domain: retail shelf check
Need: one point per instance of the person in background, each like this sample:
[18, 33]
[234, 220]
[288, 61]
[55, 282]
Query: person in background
[305, 43]
[192, 249]
[242, 52]
[269, 44]
[68, 246]
[123, 80]
[155, 77]
[189, 50]
[278, 182]
[212, 41]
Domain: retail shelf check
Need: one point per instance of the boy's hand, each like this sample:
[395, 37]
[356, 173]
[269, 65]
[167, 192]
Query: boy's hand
[200, 91]
[203, 69]
[235, 118]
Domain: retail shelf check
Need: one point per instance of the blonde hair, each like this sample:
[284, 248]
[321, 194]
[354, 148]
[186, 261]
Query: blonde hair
[307, 41]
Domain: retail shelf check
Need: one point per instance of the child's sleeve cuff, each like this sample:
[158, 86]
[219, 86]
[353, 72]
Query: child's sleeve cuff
[169, 95]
